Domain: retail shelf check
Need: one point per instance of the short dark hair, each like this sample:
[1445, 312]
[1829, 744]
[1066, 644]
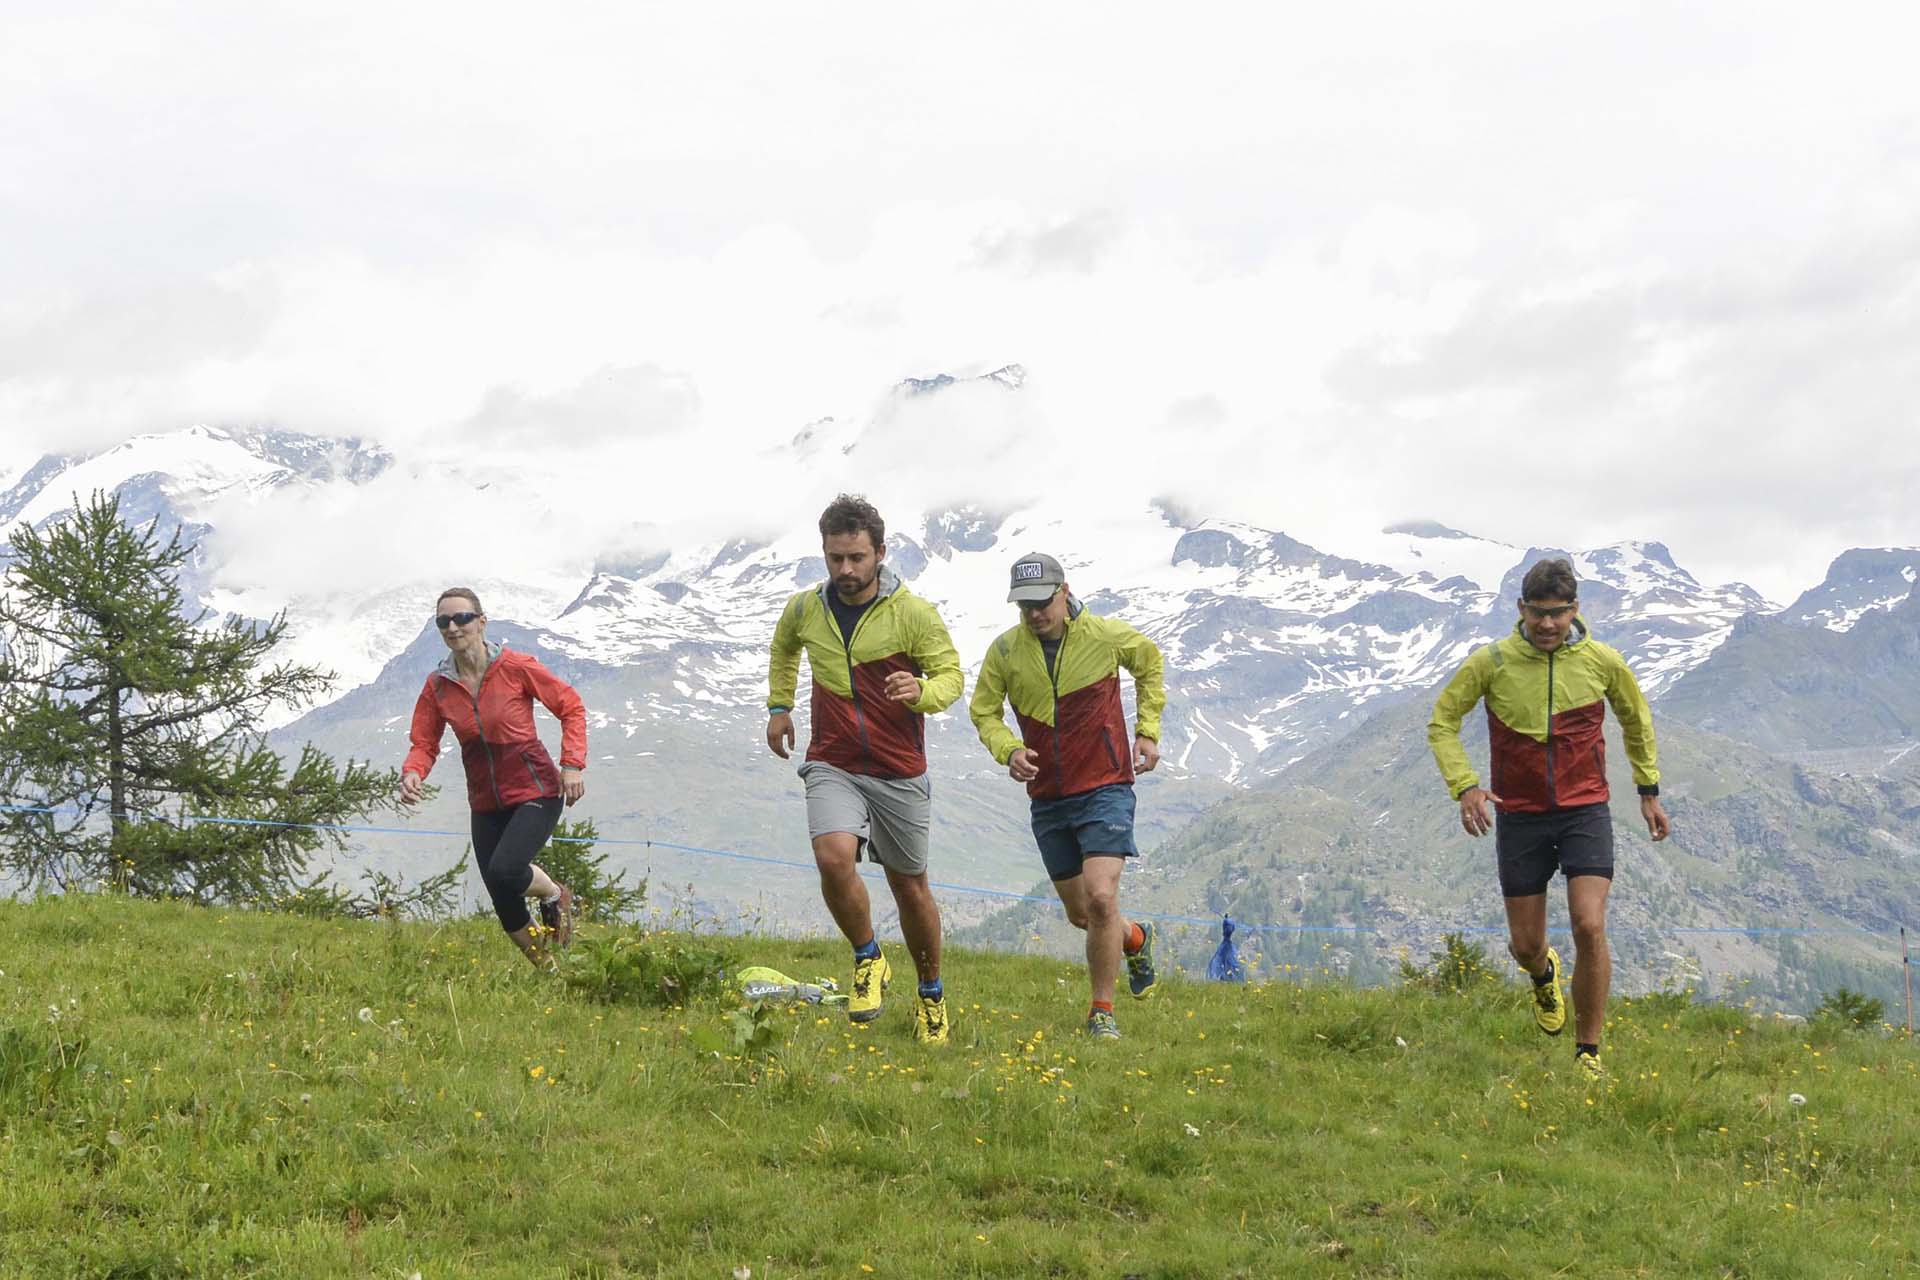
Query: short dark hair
[1550, 580]
[851, 513]
[467, 592]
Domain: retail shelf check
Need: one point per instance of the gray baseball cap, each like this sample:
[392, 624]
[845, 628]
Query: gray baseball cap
[1035, 578]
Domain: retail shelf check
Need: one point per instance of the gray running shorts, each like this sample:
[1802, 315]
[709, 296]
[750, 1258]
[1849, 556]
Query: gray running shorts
[889, 815]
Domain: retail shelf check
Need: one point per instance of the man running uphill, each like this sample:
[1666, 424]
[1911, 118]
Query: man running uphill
[881, 662]
[1060, 667]
[1546, 686]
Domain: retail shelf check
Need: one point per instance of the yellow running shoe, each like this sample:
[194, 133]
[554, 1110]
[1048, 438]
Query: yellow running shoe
[930, 1020]
[870, 979]
[1589, 1064]
[1549, 1002]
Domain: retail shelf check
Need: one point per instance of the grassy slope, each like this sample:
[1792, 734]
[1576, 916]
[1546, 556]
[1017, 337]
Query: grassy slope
[209, 1101]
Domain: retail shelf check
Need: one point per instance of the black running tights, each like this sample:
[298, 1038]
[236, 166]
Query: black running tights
[504, 845]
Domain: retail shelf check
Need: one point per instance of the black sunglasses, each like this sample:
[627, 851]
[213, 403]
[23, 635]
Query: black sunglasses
[1036, 606]
[445, 620]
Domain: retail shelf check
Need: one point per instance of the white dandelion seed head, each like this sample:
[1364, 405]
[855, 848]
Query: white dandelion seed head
[366, 1014]
[1797, 1099]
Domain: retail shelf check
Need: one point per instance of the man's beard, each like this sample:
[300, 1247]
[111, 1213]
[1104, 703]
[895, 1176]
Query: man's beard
[849, 585]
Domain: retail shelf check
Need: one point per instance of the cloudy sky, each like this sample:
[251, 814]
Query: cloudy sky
[1553, 274]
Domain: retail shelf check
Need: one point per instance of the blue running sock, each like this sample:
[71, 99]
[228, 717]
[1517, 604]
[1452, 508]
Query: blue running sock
[932, 990]
[870, 950]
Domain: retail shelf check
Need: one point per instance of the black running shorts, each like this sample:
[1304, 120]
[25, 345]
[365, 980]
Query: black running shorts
[1531, 846]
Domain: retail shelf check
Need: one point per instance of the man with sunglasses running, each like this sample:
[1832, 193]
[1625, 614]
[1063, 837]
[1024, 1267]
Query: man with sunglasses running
[1546, 687]
[1061, 669]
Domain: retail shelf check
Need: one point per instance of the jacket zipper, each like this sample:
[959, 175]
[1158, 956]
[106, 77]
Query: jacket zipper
[1053, 673]
[853, 686]
[493, 779]
[1553, 796]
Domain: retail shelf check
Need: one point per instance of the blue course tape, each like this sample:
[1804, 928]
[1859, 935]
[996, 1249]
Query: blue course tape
[1340, 930]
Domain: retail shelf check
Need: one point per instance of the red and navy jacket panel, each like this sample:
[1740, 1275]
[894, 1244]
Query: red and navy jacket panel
[506, 763]
[1069, 714]
[868, 733]
[1568, 769]
[855, 726]
[1087, 747]
[1545, 713]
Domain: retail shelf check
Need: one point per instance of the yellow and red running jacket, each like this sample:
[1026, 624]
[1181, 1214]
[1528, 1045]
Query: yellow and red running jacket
[856, 727]
[1071, 716]
[1544, 717]
[505, 760]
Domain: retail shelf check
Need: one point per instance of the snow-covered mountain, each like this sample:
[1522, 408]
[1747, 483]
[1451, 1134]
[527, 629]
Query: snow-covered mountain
[1273, 646]
[1858, 582]
[178, 477]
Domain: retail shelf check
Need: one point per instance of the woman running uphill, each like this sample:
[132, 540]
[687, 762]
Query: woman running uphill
[485, 692]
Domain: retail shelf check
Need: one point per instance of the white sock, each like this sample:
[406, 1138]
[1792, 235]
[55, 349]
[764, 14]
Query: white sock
[552, 898]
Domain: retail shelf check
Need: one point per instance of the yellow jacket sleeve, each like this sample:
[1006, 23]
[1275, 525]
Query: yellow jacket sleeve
[1636, 723]
[941, 678]
[988, 709]
[783, 669]
[1141, 656]
[1468, 686]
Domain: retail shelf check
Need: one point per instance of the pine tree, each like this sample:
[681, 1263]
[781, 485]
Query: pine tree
[138, 730]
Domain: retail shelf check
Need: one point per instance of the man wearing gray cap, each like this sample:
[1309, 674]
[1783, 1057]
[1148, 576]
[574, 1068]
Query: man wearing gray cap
[1061, 670]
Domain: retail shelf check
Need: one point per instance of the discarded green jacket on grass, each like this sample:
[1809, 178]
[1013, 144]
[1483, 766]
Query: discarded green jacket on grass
[758, 982]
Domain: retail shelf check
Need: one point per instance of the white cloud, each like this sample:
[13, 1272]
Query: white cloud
[1317, 270]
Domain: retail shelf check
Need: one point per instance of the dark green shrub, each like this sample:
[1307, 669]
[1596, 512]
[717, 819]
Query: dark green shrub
[1456, 965]
[645, 968]
[1850, 1009]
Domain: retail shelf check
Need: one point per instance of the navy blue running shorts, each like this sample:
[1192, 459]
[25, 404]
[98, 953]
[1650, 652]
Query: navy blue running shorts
[1531, 846]
[1071, 828]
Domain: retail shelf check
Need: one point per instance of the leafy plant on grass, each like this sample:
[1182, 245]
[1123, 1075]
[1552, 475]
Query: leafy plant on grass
[746, 1032]
[645, 968]
[1455, 966]
[1849, 1009]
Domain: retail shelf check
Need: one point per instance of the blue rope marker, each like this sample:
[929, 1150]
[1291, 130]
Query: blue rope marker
[1005, 895]
[1225, 965]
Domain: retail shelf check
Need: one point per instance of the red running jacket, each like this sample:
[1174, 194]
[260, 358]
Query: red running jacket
[505, 760]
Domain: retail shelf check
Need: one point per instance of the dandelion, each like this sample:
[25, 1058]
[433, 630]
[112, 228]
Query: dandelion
[1191, 1131]
[365, 1014]
[1797, 1099]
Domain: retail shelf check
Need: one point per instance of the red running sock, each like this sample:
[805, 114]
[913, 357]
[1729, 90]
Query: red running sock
[1136, 939]
[1100, 1006]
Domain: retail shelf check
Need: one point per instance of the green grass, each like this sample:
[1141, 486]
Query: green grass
[198, 1093]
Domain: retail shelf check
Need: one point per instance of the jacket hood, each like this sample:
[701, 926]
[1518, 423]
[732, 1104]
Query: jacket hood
[446, 667]
[889, 582]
